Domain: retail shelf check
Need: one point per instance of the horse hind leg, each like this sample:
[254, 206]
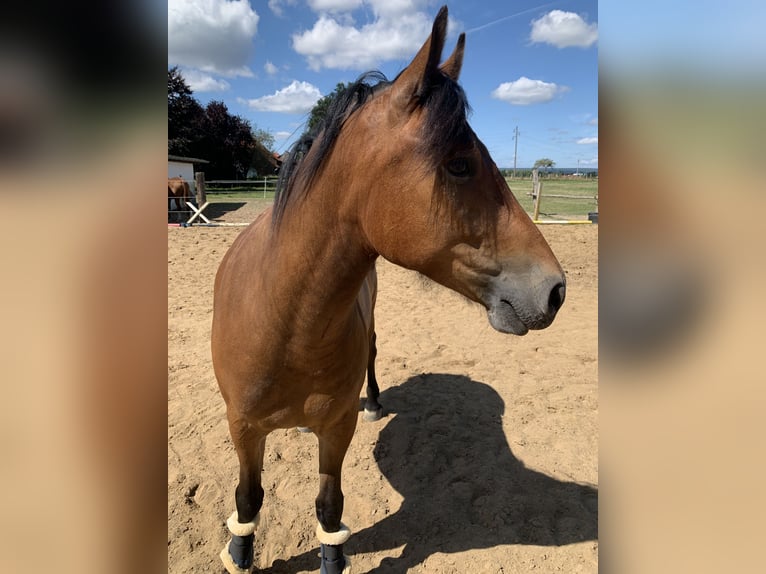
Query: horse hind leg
[238, 555]
[372, 409]
[331, 532]
[185, 211]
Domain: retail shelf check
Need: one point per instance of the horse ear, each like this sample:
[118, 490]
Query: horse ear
[455, 62]
[416, 77]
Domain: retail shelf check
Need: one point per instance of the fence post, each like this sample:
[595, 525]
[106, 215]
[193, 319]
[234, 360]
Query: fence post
[264, 188]
[537, 188]
[537, 200]
[199, 182]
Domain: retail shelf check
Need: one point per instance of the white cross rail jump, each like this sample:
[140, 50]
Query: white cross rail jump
[197, 212]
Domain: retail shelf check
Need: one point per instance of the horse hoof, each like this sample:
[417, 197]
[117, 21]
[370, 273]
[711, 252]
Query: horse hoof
[372, 416]
[303, 429]
[324, 569]
[229, 564]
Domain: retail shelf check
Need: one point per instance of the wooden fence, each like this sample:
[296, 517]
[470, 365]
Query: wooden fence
[234, 200]
[537, 194]
[245, 187]
[223, 202]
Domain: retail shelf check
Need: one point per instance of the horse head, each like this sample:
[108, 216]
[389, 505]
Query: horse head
[453, 217]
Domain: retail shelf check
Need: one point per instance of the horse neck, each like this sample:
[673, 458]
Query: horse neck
[318, 254]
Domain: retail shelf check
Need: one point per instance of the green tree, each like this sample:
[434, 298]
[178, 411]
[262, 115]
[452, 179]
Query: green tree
[319, 111]
[264, 137]
[545, 163]
[184, 115]
[262, 162]
[226, 142]
[229, 142]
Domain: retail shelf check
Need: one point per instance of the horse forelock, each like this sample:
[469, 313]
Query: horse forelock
[445, 125]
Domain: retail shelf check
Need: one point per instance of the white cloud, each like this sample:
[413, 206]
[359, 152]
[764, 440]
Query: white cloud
[202, 82]
[593, 122]
[276, 6]
[214, 36]
[592, 161]
[281, 136]
[270, 68]
[524, 91]
[399, 29]
[334, 5]
[586, 141]
[396, 7]
[297, 98]
[563, 30]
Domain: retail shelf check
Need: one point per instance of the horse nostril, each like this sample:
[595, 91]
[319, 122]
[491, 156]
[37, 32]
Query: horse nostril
[556, 298]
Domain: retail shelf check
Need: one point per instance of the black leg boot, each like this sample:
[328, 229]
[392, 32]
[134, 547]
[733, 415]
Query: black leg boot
[237, 555]
[333, 559]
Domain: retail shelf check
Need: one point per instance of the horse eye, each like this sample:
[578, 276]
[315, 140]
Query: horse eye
[458, 167]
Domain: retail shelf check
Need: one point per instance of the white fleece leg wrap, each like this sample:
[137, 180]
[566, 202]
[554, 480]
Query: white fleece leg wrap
[333, 538]
[239, 529]
[229, 564]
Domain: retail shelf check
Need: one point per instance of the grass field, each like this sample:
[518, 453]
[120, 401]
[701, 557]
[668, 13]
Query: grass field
[555, 208]
[245, 194]
[256, 189]
[550, 207]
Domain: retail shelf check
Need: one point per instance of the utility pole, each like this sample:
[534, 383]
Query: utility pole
[515, 147]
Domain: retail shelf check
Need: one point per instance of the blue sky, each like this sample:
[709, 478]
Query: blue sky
[703, 37]
[529, 64]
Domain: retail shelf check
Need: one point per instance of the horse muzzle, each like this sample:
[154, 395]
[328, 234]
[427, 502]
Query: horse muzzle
[516, 308]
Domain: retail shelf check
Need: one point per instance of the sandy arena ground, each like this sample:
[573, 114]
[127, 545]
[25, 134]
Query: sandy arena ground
[486, 462]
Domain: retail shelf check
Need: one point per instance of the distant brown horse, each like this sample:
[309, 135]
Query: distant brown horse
[179, 192]
[395, 171]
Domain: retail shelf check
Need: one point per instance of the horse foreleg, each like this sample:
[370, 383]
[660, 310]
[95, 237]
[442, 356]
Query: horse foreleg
[331, 532]
[237, 555]
[372, 409]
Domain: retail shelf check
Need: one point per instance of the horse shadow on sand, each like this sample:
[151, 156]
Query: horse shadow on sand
[220, 209]
[444, 450]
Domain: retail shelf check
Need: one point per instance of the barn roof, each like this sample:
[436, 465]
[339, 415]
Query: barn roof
[183, 159]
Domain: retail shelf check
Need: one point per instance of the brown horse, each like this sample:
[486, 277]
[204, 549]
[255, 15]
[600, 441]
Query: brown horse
[395, 171]
[179, 192]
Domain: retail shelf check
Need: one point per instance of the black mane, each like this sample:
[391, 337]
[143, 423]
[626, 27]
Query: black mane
[445, 125]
